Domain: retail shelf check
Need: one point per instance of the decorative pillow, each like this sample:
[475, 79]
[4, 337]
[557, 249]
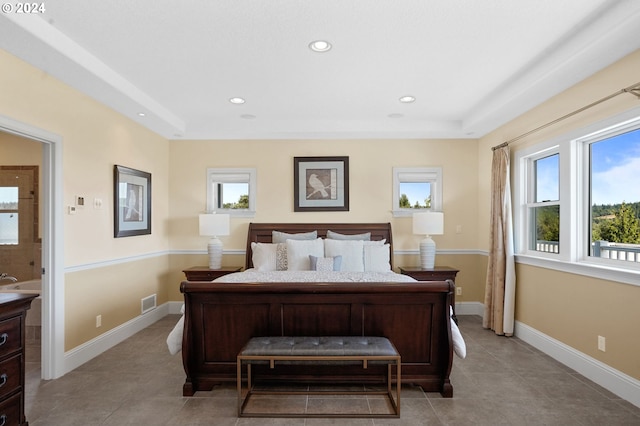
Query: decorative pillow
[281, 257]
[377, 258]
[281, 237]
[325, 264]
[298, 252]
[335, 236]
[352, 253]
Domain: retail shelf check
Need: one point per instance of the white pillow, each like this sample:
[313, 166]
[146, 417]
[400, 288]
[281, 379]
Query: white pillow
[263, 256]
[352, 252]
[377, 258]
[298, 252]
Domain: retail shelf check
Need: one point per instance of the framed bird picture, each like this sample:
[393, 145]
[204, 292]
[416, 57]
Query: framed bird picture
[320, 184]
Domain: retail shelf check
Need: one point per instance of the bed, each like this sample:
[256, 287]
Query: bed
[222, 315]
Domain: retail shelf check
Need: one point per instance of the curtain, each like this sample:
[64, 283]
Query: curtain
[499, 296]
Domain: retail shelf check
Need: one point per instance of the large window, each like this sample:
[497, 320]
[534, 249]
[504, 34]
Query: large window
[614, 194]
[231, 191]
[577, 198]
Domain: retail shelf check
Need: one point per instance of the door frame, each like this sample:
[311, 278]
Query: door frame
[52, 350]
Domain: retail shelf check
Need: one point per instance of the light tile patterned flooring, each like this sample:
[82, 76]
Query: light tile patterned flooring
[503, 381]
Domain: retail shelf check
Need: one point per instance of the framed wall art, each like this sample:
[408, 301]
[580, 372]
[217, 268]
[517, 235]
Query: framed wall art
[320, 184]
[132, 202]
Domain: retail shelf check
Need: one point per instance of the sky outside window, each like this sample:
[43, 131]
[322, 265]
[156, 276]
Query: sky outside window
[615, 169]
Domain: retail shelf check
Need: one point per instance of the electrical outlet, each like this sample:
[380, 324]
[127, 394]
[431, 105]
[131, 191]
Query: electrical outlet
[98, 321]
[458, 291]
[602, 344]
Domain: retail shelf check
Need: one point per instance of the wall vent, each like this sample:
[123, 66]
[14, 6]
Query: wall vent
[148, 303]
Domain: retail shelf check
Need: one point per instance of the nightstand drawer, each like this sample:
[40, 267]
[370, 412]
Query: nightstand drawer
[10, 335]
[10, 377]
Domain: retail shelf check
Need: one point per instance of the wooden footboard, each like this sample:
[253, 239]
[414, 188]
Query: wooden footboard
[221, 317]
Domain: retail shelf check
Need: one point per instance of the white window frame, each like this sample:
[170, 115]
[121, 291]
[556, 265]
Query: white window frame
[574, 197]
[217, 176]
[432, 175]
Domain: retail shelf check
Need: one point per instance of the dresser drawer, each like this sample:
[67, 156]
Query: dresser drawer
[10, 377]
[10, 335]
[10, 411]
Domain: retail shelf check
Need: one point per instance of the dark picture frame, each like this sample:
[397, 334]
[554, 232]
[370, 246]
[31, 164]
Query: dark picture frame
[320, 184]
[131, 201]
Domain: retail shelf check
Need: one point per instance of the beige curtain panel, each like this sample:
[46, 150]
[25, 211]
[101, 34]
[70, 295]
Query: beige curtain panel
[499, 296]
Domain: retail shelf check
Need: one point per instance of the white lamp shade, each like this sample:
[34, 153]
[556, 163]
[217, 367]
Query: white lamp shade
[213, 225]
[428, 223]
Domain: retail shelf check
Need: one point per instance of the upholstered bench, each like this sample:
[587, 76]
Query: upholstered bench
[319, 350]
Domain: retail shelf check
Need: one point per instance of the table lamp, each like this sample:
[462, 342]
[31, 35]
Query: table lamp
[427, 224]
[214, 225]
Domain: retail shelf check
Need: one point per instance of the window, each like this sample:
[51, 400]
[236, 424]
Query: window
[577, 199]
[416, 188]
[9, 215]
[231, 191]
[543, 206]
[613, 159]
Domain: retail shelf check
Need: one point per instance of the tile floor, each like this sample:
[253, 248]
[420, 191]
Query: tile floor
[503, 381]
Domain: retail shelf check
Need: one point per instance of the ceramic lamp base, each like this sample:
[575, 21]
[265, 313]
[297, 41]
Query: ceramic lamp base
[214, 248]
[427, 253]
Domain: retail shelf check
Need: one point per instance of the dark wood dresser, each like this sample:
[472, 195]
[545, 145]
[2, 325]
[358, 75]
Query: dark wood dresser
[13, 310]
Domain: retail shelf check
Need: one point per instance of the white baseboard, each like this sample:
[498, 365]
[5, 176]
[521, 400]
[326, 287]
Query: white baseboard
[89, 350]
[615, 381]
[469, 308]
[175, 307]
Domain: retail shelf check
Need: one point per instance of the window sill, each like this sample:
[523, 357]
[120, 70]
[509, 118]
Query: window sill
[408, 212]
[605, 272]
[237, 213]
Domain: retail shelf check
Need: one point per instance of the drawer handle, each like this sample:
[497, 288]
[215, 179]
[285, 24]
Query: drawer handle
[3, 340]
[3, 420]
[3, 380]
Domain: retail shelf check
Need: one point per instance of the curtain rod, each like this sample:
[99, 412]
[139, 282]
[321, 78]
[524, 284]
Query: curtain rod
[633, 89]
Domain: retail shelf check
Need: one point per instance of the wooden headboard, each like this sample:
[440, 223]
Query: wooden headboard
[261, 233]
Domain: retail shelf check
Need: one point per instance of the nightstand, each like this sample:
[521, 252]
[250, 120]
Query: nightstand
[437, 273]
[203, 273]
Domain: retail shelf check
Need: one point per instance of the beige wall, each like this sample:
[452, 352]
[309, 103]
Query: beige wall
[370, 186]
[574, 309]
[94, 139]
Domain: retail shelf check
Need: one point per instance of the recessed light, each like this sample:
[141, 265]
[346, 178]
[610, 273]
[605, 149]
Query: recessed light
[407, 99]
[320, 46]
[237, 101]
[248, 116]
[141, 114]
[395, 115]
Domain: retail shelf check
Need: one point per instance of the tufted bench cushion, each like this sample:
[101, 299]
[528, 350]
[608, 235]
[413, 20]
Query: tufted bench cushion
[320, 346]
[319, 350]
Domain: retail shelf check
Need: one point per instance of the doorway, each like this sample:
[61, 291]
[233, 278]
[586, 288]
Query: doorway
[50, 228]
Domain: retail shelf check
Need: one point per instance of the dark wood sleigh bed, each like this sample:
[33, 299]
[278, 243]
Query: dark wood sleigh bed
[221, 317]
